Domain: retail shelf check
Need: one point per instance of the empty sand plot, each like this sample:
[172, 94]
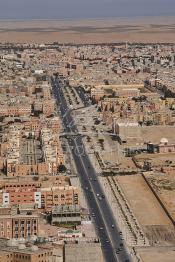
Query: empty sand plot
[144, 204]
[156, 254]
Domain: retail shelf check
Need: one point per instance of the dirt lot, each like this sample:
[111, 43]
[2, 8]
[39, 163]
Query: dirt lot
[156, 160]
[146, 208]
[142, 201]
[162, 254]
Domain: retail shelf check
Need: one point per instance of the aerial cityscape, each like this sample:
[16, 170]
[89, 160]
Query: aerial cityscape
[87, 141]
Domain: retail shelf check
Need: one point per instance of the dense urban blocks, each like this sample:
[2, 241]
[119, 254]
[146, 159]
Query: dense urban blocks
[87, 151]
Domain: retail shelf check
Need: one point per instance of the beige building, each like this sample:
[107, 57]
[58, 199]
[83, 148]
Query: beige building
[127, 130]
[116, 91]
[14, 251]
[83, 252]
[39, 193]
[14, 224]
[59, 196]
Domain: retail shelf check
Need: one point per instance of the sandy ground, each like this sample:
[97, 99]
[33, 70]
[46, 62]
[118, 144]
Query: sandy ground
[139, 195]
[156, 254]
[152, 29]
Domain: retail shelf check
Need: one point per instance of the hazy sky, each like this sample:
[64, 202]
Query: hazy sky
[45, 9]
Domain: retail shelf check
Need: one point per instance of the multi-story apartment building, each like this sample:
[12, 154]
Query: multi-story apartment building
[100, 91]
[20, 109]
[48, 107]
[59, 196]
[38, 193]
[14, 224]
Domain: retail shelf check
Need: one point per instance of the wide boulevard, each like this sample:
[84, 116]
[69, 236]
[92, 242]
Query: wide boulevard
[106, 227]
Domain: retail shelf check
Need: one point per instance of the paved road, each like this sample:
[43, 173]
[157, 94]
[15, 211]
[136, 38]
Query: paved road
[106, 227]
[84, 97]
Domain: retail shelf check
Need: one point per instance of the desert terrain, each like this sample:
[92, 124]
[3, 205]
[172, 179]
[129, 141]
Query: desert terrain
[140, 29]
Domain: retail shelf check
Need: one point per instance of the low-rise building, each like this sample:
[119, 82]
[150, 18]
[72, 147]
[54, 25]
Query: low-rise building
[16, 251]
[79, 252]
[66, 214]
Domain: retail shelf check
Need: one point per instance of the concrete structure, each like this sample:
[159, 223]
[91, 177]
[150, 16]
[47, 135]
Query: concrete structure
[42, 196]
[127, 130]
[16, 251]
[163, 147]
[66, 214]
[15, 224]
[100, 91]
[83, 252]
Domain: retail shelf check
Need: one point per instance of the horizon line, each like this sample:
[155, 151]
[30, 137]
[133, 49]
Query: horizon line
[87, 18]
